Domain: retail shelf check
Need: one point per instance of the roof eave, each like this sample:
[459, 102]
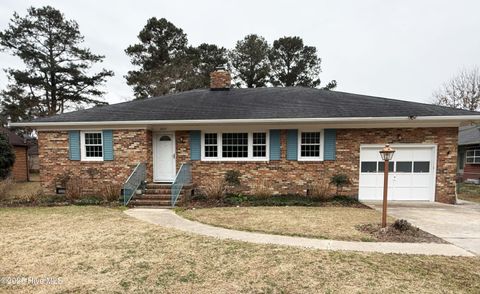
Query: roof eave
[446, 119]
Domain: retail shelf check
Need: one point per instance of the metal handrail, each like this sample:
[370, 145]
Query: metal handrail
[183, 177]
[134, 181]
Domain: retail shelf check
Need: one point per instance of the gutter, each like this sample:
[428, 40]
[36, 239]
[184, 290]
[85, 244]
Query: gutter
[459, 118]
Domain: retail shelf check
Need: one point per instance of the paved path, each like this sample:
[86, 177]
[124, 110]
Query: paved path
[458, 224]
[170, 219]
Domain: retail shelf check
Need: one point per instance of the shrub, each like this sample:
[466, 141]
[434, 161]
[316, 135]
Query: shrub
[74, 189]
[88, 200]
[35, 196]
[235, 199]
[214, 189]
[339, 180]
[5, 187]
[111, 192]
[319, 191]
[260, 189]
[232, 177]
[7, 157]
[402, 225]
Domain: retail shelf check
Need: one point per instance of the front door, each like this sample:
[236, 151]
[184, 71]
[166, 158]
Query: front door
[164, 157]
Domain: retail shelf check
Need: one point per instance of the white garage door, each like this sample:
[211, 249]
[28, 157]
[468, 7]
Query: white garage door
[411, 177]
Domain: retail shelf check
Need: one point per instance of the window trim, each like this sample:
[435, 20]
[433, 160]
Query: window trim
[220, 147]
[83, 151]
[473, 157]
[299, 145]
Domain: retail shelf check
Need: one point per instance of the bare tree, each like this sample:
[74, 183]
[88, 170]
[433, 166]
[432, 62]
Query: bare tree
[463, 91]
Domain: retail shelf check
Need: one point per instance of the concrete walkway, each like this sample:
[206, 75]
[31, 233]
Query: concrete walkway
[168, 218]
[458, 224]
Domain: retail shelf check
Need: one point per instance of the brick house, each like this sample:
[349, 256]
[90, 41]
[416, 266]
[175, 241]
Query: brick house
[469, 153]
[20, 172]
[285, 139]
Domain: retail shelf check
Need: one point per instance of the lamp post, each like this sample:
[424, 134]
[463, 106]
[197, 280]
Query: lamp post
[387, 154]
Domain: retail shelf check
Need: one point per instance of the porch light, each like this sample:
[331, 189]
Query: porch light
[387, 154]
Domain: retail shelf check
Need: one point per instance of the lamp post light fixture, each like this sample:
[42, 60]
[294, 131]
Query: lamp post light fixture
[387, 154]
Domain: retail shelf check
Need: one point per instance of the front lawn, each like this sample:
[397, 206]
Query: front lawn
[469, 192]
[98, 249]
[328, 222]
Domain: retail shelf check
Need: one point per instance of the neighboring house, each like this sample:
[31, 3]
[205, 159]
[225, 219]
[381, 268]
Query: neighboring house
[469, 153]
[284, 138]
[20, 167]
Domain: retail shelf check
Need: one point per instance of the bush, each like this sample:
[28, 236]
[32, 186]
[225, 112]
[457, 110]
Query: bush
[339, 180]
[319, 191]
[232, 177]
[402, 225]
[5, 187]
[111, 192]
[214, 189]
[260, 189]
[7, 157]
[74, 189]
[89, 200]
[235, 199]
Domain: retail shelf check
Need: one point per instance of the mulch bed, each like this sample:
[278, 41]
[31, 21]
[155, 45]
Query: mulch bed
[391, 234]
[280, 200]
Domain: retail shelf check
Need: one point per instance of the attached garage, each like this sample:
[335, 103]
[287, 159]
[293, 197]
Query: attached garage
[412, 173]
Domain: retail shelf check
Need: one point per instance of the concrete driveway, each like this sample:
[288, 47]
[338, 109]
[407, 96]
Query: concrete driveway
[458, 224]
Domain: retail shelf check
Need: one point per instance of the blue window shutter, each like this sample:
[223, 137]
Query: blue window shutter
[292, 144]
[74, 145]
[329, 144]
[195, 145]
[274, 144]
[107, 144]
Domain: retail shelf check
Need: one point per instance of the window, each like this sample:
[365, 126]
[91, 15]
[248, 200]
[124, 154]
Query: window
[259, 144]
[381, 166]
[421, 167]
[310, 145]
[211, 147]
[473, 156]
[92, 146]
[235, 146]
[404, 167]
[369, 167]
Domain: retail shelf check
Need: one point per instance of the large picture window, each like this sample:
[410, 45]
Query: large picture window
[234, 146]
[92, 146]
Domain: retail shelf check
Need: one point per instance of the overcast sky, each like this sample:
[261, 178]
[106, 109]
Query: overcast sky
[401, 49]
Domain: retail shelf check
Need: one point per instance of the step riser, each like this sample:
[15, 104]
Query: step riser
[158, 186]
[158, 191]
[154, 197]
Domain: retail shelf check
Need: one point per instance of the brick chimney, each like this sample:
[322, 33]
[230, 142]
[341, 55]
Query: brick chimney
[220, 79]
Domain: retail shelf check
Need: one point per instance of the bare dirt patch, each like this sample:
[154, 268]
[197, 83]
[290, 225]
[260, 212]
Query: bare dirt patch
[392, 234]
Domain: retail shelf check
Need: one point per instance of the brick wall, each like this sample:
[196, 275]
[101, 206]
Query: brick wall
[280, 176]
[20, 167]
[130, 148]
[285, 176]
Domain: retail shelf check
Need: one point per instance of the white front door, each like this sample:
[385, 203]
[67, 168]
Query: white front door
[164, 157]
[411, 177]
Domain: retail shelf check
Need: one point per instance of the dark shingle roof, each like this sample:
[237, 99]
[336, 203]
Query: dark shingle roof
[258, 103]
[13, 139]
[469, 135]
